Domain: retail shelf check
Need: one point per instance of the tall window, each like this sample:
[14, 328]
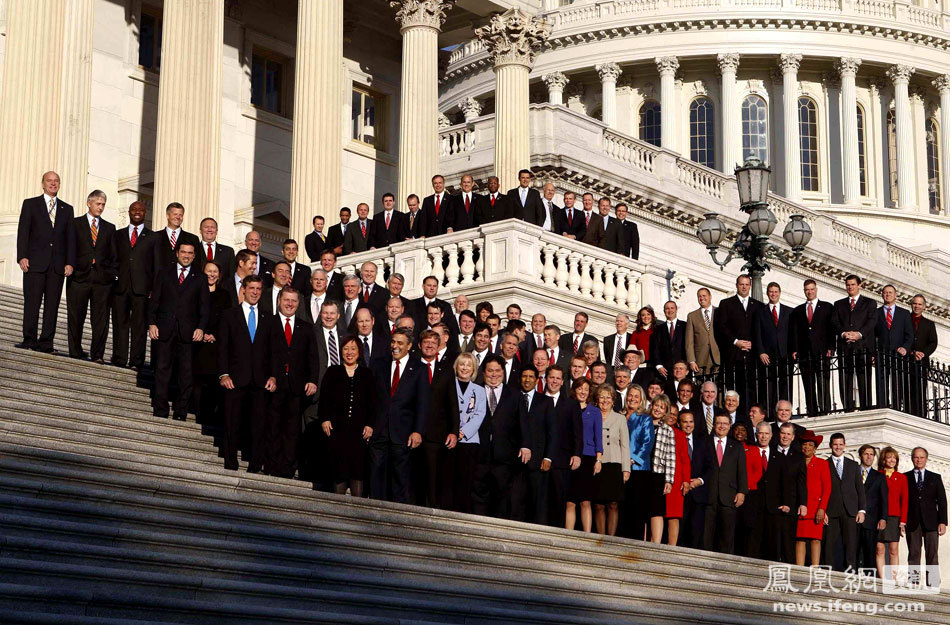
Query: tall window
[808, 142]
[933, 166]
[267, 72]
[650, 122]
[702, 144]
[755, 128]
[892, 155]
[366, 118]
[150, 40]
[862, 155]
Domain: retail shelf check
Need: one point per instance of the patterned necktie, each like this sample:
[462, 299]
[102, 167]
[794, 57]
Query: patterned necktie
[173, 239]
[852, 303]
[527, 404]
[387, 221]
[587, 219]
[811, 313]
[363, 228]
[331, 348]
[181, 278]
[134, 237]
[706, 318]
[349, 312]
[709, 418]
[617, 349]
[537, 338]
[889, 317]
[51, 210]
[94, 233]
[251, 324]
[575, 344]
[838, 467]
[492, 398]
[395, 383]
[920, 480]
[864, 475]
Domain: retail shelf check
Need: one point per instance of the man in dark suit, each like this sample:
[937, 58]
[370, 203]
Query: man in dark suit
[894, 336]
[336, 232]
[668, 341]
[615, 345]
[46, 253]
[430, 290]
[372, 295]
[926, 515]
[811, 342]
[299, 272]
[786, 496]
[571, 343]
[243, 348]
[733, 326]
[783, 415]
[245, 263]
[374, 341]
[853, 319]
[437, 216]
[719, 471]
[508, 350]
[463, 215]
[845, 509]
[360, 234]
[492, 207]
[572, 219]
[178, 313]
[925, 344]
[529, 497]
[593, 223]
[569, 443]
[433, 469]
[130, 293]
[389, 225]
[613, 231]
[280, 278]
[630, 234]
[316, 241]
[415, 217]
[213, 252]
[708, 410]
[875, 513]
[164, 243]
[402, 405]
[770, 338]
[295, 366]
[265, 266]
[93, 276]
[334, 278]
[526, 201]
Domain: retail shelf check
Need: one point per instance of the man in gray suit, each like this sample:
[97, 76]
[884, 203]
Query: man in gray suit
[846, 508]
[702, 351]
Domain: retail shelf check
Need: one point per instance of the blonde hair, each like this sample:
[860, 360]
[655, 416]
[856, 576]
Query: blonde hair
[642, 406]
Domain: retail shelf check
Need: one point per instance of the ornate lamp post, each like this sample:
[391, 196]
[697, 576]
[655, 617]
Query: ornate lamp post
[752, 245]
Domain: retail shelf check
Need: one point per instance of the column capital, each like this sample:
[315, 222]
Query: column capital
[900, 73]
[917, 94]
[876, 85]
[444, 122]
[424, 13]
[608, 72]
[848, 66]
[789, 63]
[514, 38]
[470, 107]
[667, 65]
[728, 62]
[942, 84]
[556, 81]
[625, 83]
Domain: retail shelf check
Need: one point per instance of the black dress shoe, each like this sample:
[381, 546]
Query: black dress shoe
[24, 345]
[99, 361]
[254, 469]
[179, 418]
[160, 415]
[44, 350]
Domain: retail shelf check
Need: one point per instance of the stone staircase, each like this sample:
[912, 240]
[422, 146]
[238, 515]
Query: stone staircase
[110, 516]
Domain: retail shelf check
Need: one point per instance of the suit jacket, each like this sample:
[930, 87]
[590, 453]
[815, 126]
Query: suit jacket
[179, 309]
[699, 417]
[701, 346]
[417, 226]
[486, 212]
[927, 506]
[643, 376]
[96, 264]
[246, 362]
[335, 237]
[297, 364]
[568, 431]
[223, 258]
[133, 262]
[786, 482]
[613, 235]
[811, 339]
[354, 241]
[443, 407]
[300, 280]
[500, 434]
[164, 255]
[436, 224]
[397, 232]
[630, 240]
[265, 269]
[418, 313]
[665, 350]
[732, 323]
[847, 492]
[462, 219]
[900, 334]
[379, 346]
[862, 319]
[533, 209]
[769, 338]
[335, 287]
[594, 231]
[610, 345]
[48, 246]
[573, 225]
[314, 245]
[537, 427]
[401, 413]
[925, 338]
[378, 298]
[721, 482]
[875, 494]
[566, 343]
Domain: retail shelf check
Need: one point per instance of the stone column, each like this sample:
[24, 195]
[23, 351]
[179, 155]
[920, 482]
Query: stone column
[906, 192]
[471, 108]
[77, 95]
[513, 40]
[942, 84]
[667, 66]
[851, 184]
[918, 116]
[874, 129]
[420, 22]
[609, 73]
[188, 137]
[555, 82]
[730, 126]
[789, 64]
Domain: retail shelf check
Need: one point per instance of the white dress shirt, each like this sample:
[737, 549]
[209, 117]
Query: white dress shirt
[316, 302]
[169, 232]
[136, 229]
[247, 311]
[284, 320]
[480, 356]
[402, 367]
[554, 397]
[179, 268]
[548, 224]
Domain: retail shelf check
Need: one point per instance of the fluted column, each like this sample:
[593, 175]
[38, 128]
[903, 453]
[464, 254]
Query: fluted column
[77, 95]
[731, 130]
[420, 22]
[906, 193]
[942, 84]
[609, 73]
[667, 66]
[471, 108]
[188, 138]
[848, 69]
[875, 139]
[513, 39]
[555, 82]
[789, 64]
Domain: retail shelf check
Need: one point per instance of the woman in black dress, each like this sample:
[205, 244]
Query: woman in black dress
[347, 406]
[208, 397]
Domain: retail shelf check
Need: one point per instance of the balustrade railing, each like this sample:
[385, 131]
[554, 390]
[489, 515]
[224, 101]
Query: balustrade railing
[702, 179]
[456, 140]
[629, 150]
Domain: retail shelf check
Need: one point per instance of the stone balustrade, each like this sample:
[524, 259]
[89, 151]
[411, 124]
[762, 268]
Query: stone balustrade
[456, 140]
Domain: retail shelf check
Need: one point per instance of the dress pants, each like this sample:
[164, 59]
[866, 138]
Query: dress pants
[46, 288]
[389, 470]
[855, 364]
[559, 483]
[719, 529]
[437, 468]
[816, 378]
[867, 548]
[81, 296]
[491, 489]
[128, 316]
[843, 531]
[245, 403]
[164, 352]
[751, 522]
[282, 433]
[930, 542]
[529, 496]
[780, 532]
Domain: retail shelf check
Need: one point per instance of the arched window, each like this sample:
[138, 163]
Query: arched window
[755, 141]
[862, 155]
[892, 155]
[702, 143]
[933, 166]
[808, 142]
[650, 122]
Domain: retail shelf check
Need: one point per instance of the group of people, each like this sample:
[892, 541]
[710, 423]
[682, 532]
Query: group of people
[344, 382]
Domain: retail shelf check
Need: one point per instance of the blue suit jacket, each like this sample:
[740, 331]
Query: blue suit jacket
[400, 414]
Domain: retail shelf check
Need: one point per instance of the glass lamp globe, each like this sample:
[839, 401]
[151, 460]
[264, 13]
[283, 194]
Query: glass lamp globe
[762, 222]
[797, 232]
[753, 182]
[711, 230]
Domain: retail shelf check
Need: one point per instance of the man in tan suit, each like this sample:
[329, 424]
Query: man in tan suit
[702, 351]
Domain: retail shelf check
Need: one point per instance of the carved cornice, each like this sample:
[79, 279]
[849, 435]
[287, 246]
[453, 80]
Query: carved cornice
[942, 83]
[848, 66]
[514, 38]
[728, 62]
[424, 13]
[608, 72]
[900, 73]
[789, 63]
[555, 81]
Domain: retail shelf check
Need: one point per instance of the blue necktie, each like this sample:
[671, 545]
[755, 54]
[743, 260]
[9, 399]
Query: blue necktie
[251, 324]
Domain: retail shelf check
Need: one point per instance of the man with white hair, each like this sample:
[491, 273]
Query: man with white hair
[731, 401]
[708, 410]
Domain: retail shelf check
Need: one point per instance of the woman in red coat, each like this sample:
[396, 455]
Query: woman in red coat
[674, 499]
[818, 480]
[897, 495]
[640, 337]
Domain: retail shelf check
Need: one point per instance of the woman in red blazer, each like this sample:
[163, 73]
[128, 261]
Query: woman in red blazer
[640, 337]
[897, 495]
[674, 499]
[818, 480]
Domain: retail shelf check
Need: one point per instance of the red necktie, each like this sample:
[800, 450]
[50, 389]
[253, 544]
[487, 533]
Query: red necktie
[540, 386]
[134, 237]
[672, 330]
[765, 462]
[387, 221]
[575, 345]
[719, 450]
[395, 384]
[889, 317]
[210, 253]
[493, 200]
[852, 303]
[181, 278]
[365, 293]
[174, 239]
[429, 365]
[363, 228]
[538, 337]
[570, 212]
[467, 200]
[775, 315]
[811, 313]
[437, 204]
[288, 334]
[587, 219]
[551, 361]
[587, 375]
